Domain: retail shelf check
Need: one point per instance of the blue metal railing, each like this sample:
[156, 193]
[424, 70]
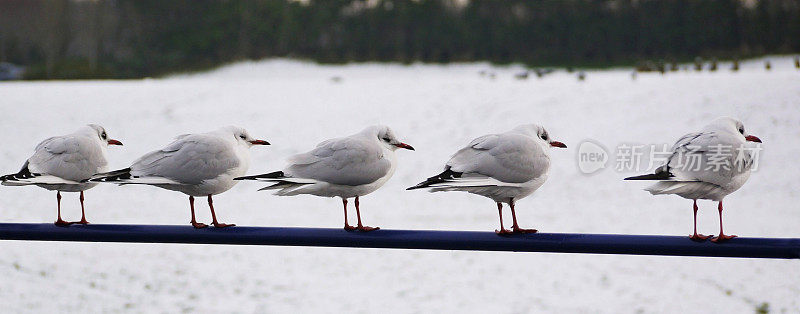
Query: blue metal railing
[409, 239]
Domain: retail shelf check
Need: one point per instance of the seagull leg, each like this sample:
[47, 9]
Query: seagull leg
[214, 216]
[516, 227]
[696, 236]
[60, 222]
[83, 213]
[502, 230]
[195, 224]
[347, 226]
[721, 237]
[360, 226]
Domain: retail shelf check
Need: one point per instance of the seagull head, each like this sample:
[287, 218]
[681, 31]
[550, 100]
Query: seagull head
[386, 137]
[96, 131]
[539, 134]
[731, 126]
[242, 137]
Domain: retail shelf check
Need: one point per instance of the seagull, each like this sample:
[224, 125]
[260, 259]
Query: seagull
[709, 164]
[505, 167]
[195, 164]
[347, 167]
[62, 163]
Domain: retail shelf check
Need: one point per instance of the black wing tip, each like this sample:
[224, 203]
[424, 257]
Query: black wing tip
[8, 177]
[653, 176]
[418, 186]
[271, 175]
[23, 173]
[447, 175]
[111, 176]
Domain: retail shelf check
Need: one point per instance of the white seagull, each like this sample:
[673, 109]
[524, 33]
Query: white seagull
[504, 167]
[62, 163]
[709, 164]
[195, 164]
[347, 167]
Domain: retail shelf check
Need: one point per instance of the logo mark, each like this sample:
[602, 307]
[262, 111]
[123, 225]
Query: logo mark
[591, 157]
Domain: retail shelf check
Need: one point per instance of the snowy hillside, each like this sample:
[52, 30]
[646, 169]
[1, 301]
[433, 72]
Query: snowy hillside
[437, 109]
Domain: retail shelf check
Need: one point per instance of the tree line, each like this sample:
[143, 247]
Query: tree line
[140, 38]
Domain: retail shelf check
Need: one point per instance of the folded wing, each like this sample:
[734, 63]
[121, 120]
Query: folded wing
[344, 161]
[190, 159]
[71, 158]
[510, 158]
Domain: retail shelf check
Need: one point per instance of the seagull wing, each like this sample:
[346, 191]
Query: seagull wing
[345, 161]
[709, 157]
[190, 159]
[509, 157]
[72, 158]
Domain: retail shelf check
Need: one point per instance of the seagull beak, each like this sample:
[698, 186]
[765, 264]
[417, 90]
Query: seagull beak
[114, 142]
[752, 138]
[404, 145]
[558, 144]
[259, 142]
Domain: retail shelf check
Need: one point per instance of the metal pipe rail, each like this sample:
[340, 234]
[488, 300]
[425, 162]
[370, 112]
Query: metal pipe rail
[788, 248]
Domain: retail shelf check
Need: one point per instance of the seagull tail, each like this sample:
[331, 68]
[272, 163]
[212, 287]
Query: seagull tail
[285, 185]
[264, 177]
[112, 176]
[26, 177]
[663, 175]
[444, 177]
[124, 176]
[18, 178]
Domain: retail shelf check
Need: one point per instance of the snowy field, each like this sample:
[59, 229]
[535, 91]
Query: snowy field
[437, 109]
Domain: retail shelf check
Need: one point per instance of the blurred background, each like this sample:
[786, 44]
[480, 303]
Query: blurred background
[439, 73]
[69, 39]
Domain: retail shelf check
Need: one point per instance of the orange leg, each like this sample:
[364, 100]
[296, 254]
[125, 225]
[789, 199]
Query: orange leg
[83, 213]
[360, 226]
[696, 236]
[515, 226]
[214, 216]
[347, 225]
[195, 224]
[721, 237]
[502, 230]
[60, 222]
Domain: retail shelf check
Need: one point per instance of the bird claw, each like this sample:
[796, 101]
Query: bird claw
[699, 237]
[61, 223]
[222, 225]
[367, 229]
[503, 232]
[349, 228]
[722, 238]
[81, 222]
[521, 230]
[199, 225]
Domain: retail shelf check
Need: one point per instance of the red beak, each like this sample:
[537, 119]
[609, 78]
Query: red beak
[114, 142]
[752, 138]
[404, 145]
[259, 142]
[558, 144]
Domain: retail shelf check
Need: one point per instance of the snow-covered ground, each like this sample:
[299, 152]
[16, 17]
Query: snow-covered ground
[437, 109]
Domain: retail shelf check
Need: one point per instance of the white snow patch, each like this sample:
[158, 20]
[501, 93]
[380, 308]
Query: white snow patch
[437, 109]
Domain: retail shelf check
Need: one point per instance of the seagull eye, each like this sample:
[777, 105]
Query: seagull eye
[741, 130]
[387, 139]
[242, 136]
[544, 137]
[103, 136]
